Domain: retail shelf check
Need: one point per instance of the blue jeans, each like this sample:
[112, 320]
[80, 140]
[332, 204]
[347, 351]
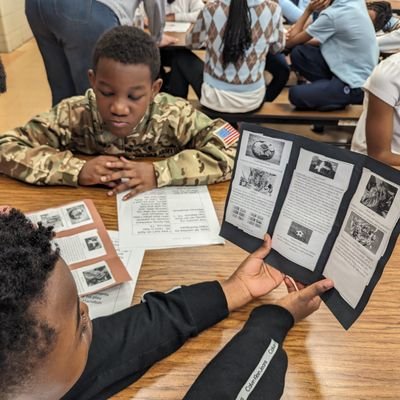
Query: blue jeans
[326, 91]
[66, 32]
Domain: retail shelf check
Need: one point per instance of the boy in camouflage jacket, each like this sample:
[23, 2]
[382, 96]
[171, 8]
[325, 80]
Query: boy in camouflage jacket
[122, 117]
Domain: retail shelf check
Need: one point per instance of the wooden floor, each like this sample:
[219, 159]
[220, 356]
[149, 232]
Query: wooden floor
[325, 362]
[27, 90]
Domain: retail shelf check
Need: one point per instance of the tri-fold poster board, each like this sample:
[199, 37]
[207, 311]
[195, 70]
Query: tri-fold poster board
[330, 212]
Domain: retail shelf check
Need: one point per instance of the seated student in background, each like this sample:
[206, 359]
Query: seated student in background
[183, 10]
[180, 11]
[336, 53]
[122, 116]
[3, 85]
[378, 129]
[50, 349]
[386, 25]
[237, 34]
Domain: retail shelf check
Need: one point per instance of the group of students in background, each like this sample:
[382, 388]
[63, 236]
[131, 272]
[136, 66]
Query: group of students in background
[332, 45]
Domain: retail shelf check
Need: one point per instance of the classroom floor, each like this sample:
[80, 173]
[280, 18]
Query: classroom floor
[28, 94]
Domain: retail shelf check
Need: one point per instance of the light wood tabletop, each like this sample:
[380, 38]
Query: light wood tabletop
[325, 361]
[180, 37]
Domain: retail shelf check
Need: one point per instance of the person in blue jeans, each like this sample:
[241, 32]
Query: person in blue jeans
[67, 30]
[336, 53]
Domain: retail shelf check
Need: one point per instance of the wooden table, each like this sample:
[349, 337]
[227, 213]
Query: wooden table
[325, 362]
[181, 39]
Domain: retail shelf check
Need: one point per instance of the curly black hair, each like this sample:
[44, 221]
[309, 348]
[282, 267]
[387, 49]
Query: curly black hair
[3, 86]
[383, 10]
[26, 262]
[128, 45]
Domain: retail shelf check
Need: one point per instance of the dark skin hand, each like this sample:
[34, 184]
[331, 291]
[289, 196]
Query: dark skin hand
[139, 176]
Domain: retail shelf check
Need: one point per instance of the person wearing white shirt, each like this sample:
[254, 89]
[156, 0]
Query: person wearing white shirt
[183, 10]
[179, 11]
[378, 129]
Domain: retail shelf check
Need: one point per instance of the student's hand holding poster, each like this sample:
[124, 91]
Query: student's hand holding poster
[330, 212]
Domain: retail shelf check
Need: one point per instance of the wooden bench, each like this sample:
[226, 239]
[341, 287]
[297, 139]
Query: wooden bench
[285, 113]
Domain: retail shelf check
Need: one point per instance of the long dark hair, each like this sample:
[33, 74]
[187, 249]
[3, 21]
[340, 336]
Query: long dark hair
[237, 36]
[383, 10]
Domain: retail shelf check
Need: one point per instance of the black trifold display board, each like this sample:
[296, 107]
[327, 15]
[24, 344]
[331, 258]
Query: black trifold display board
[330, 212]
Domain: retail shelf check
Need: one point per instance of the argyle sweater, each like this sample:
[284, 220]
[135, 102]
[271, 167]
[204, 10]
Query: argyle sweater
[267, 34]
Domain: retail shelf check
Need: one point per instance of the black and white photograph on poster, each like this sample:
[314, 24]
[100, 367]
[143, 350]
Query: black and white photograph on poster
[53, 220]
[97, 275]
[363, 232]
[265, 149]
[378, 195]
[299, 232]
[326, 168]
[78, 214]
[257, 180]
[93, 243]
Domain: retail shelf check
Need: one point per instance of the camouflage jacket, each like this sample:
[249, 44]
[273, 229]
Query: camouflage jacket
[42, 151]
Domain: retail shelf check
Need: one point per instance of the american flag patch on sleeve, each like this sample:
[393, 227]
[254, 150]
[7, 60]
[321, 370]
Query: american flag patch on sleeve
[227, 134]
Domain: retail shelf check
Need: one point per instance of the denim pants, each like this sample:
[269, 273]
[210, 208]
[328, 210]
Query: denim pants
[326, 91]
[66, 32]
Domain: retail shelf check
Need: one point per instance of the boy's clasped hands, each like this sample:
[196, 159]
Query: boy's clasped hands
[119, 174]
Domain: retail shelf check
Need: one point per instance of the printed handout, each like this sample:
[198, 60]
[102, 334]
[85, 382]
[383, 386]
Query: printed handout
[84, 244]
[117, 298]
[168, 217]
[331, 213]
[178, 27]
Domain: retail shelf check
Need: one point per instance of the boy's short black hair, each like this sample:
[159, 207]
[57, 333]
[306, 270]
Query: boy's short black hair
[128, 45]
[3, 86]
[383, 10]
[26, 262]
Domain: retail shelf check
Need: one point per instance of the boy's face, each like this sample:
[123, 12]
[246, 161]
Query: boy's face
[63, 311]
[123, 93]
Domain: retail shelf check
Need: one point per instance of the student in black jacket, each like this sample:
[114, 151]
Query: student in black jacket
[49, 348]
